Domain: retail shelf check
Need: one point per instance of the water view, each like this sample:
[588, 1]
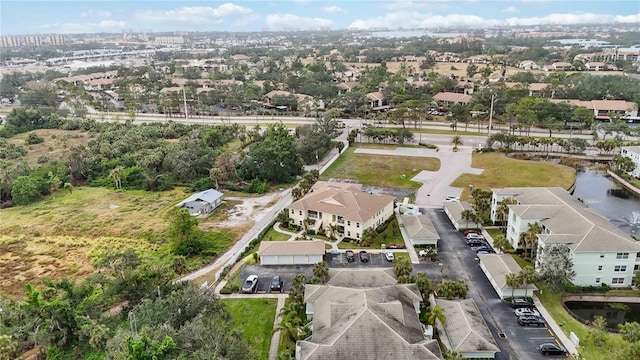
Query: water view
[614, 313]
[610, 200]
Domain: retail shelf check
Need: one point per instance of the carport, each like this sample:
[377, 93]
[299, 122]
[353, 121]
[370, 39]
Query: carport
[496, 267]
[454, 211]
[291, 252]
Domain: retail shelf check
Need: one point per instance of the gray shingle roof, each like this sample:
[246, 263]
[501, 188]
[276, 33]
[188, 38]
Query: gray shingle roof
[314, 247]
[499, 266]
[465, 329]
[418, 227]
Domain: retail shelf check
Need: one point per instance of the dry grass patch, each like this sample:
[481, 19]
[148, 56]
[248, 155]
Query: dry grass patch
[501, 171]
[380, 170]
[56, 143]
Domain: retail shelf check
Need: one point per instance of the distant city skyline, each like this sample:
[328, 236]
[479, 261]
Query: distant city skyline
[69, 17]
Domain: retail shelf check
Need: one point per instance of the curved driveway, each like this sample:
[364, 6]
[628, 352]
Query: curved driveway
[435, 184]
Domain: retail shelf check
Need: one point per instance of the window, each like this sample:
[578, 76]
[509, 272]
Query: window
[348, 233]
[620, 268]
[622, 255]
[348, 223]
[293, 211]
[599, 267]
[635, 268]
[358, 225]
[300, 212]
[597, 280]
[617, 281]
[601, 256]
[358, 235]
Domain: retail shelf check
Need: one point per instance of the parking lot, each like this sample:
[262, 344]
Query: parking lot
[515, 341]
[376, 259]
[266, 273]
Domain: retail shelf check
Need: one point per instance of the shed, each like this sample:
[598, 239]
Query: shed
[418, 229]
[291, 252]
[496, 267]
[454, 211]
[202, 203]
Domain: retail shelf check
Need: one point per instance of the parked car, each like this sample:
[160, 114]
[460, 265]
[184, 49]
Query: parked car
[531, 320]
[451, 198]
[395, 246]
[351, 257]
[476, 242]
[486, 248]
[474, 236]
[250, 285]
[276, 284]
[526, 312]
[472, 231]
[486, 252]
[389, 256]
[423, 253]
[364, 256]
[521, 303]
[552, 349]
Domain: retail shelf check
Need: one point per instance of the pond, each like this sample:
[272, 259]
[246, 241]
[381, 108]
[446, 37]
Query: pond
[614, 313]
[610, 200]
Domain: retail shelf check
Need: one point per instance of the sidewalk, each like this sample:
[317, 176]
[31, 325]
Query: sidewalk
[551, 323]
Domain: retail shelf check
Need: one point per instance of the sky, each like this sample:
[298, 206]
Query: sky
[91, 16]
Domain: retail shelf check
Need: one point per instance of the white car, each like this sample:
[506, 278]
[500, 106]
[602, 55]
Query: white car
[526, 312]
[389, 256]
[250, 285]
[423, 253]
[451, 198]
[474, 236]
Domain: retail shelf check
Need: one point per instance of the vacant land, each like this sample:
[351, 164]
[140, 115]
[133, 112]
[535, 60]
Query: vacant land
[56, 142]
[380, 170]
[255, 318]
[501, 171]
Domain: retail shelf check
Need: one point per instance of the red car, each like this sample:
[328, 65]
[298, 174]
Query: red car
[472, 231]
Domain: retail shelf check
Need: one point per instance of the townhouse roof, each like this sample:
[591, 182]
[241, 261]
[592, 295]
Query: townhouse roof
[452, 97]
[348, 85]
[361, 278]
[568, 220]
[464, 328]
[499, 266]
[418, 226]
[612, 105]
[314, 247]
[375, 96]
[348, 323]
[455, 208]
[343, 200]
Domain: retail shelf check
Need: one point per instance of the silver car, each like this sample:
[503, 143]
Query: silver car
[250, 285]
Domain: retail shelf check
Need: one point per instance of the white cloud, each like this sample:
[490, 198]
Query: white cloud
[569, 19]
[511, 9]
[79, 28]
[333, 9]
[95, 13]
[193, 14]
[279, 21]
[414, 19]
[412, 5]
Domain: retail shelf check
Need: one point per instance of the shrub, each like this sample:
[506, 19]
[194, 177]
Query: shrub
[189, 247]
[256, 187]
[33, 138]
[202, 184]
[42, 159]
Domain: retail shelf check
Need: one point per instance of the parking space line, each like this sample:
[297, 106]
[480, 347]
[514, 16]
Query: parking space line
[550, 332]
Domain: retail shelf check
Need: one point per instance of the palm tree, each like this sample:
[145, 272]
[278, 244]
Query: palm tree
[501, 243]
[513, 281]
[469, 215]
[531, 237]
[456, 141]
[214, 174]
[434, 313]
[503, 210]
[453, 355]
[116, 175]
[527, 276]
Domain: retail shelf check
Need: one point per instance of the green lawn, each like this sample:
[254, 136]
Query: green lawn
[501, 171]
[399, 255]
[273, 235]
[380, 170]
[255, 318]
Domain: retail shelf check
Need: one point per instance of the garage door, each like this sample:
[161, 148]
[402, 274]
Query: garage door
[300, 259]
[285, 260]
[314, 259]
[269, 260]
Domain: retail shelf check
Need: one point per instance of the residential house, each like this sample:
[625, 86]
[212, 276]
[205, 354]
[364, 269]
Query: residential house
[291, 252]
[535, 89]
[202, 203]
[478, 59]
[496, 267]
[602, 108]
[464, 329]
[347, 86]
[241, 58]
[601, 253]
[633, 153]
[376, 101]
[528, 65]
[454, 210]
[557, 66]
[596, 66]
[365, 314]
[341, 209]
[302, 99]
[418, 229]
[449, 98]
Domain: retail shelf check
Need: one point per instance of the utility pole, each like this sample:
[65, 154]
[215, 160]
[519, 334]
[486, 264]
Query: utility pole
[184, 98]
[491, 114]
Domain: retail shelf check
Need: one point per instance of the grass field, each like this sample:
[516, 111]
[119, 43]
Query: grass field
[380, 170]
[61, 236]
[56, 142]
[273, 235]
[255, 318]
[501, 171]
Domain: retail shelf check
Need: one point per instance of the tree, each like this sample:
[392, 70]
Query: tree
[274, 159]
[7, 347]
[469, 215]
[527, 276]
[555, 267]
[501, 243]
[182, 223]
[116, 175]
[402, 267]
[321, 270]
[453, 355]
[25, 190]
[214, 174]
[598, 335]
[433, 313]
[630, 331]
[424, 285]
[513, 281]
[143, 348]
[296, 293]
[456, 141]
